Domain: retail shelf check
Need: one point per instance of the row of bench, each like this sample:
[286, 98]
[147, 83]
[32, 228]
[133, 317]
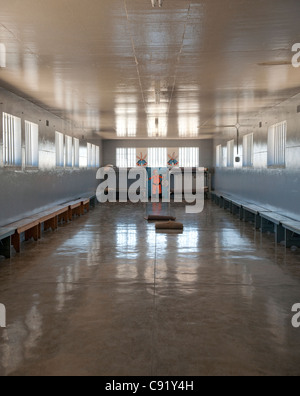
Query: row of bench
[10, 236]
[286, 230]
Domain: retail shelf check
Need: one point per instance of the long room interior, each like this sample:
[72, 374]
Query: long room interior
[194, 96]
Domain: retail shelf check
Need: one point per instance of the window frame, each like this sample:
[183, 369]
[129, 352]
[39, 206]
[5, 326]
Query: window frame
[248, 152]
[68, 151]
[128, 159]
[185, 154]
[158, 162]
[277, 142]
[230, 153]
[76, 153]
[60, 149]
[12, 141]
[31, 139]
[219, 156]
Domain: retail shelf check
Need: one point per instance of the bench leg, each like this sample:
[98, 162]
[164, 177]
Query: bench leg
[16, 242]
[5, 247]
[248, 216]
[78, 211]
[28, 235]
[63, 217]
[93, 202]
[267, 226]
[221, 203]
[35, 233]
[280, 233]
[257, 222]
[291, 239]
[52, 223]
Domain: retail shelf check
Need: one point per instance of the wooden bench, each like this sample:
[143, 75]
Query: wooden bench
[93, 201]
[63, 215]
[217, 198]
[227, 202]
[75, 208]
[32, 226]
[237, 208]
[86, 203]
[252, 213]
[285, 229]
[292, 233]
[29, 226]
[272, 222]
[5, 241]
[51, 217]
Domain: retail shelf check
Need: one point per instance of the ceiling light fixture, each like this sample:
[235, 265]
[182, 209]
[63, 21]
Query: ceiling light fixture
[2, 56]
[157, 97]
[157, 2]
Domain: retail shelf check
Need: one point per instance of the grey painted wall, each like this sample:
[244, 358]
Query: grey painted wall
[24, 191]
[206, 148]
[276, 188]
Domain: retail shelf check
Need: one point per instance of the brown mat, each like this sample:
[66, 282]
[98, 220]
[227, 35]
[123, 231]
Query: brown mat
[159, 218]
[170, 225]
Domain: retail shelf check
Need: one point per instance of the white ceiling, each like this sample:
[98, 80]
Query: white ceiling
[122, 69]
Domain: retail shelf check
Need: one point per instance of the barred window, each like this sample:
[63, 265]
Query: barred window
[248, 152]
[126, 157]
[219, 156]
[31, 144]
[69, 152]
[76, 153]
[59, 144]
[189, 157]
[230, 154]
[157, 157]
[12, 140]
[277, 144]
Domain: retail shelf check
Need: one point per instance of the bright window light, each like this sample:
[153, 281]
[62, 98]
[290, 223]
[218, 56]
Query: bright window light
[126, 157]
[89, 155]
[31, 144]
[230, 154]
[2, 55]
[59, 143]
[158, 157]
[219, 156]
[189, 157]
[277, 144]
[69, 151]
[12, 140]
[76, 152]
[248, 150]
[97, 156]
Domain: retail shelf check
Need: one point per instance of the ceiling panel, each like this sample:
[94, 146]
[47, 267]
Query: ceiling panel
[122, 69]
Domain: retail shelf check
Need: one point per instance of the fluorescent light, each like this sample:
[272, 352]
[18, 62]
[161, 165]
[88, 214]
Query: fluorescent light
[2, 56]
[155, 2]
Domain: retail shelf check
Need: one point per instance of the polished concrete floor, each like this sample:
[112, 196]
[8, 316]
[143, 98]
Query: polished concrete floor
[106, 295]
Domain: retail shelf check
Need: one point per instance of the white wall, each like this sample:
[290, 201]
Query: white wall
[277, 188]
[205, 146]
[24, 191]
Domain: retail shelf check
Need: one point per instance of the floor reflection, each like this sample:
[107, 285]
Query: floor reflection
[215, 298]
[20, 339]
[126, 241]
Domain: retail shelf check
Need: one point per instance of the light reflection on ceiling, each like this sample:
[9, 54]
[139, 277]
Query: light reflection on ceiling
[112, 67]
